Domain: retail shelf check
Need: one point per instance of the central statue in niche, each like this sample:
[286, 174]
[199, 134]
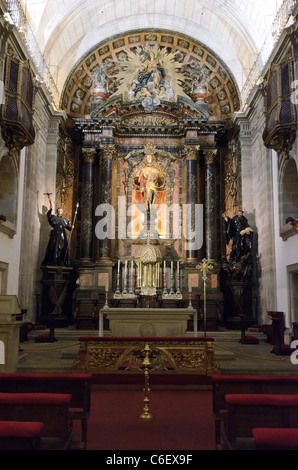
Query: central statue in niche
[149, 180]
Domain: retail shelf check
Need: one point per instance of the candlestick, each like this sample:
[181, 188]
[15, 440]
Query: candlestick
[178, 278]
[146, 415]
[125, 279]
[172, 279]
[164, 278]
[131, 278]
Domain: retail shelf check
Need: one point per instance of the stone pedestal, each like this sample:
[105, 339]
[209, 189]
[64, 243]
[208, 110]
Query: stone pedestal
[58, 285]
[239, 303]
[9, 333]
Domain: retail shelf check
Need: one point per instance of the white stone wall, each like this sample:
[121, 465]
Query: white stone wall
[10, 246]
[39, 178]
[257, 203]
[260, 201]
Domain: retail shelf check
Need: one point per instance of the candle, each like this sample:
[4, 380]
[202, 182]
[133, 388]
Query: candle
[164, 265]
[118, 266]
[107, 286]
[178, 268]
[131, 265]
[125, 267]
[190, 288]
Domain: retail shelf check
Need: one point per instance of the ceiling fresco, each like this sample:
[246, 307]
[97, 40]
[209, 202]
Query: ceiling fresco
[153, 67]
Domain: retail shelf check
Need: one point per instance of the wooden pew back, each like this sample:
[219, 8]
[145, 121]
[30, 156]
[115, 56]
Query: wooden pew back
[236, 384]
[76, 385]
[48, 408]
[246, 384]
[246, 412]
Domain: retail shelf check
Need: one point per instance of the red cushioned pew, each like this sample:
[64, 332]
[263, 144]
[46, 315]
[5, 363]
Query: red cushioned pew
[236, 384]
[249, 411]
[49, 408]
[76, 385]
[15, 435]
[275, 438]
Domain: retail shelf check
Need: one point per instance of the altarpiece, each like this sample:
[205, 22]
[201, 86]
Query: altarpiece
[150, 151]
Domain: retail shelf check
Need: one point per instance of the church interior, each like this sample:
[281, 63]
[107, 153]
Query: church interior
[148, 223]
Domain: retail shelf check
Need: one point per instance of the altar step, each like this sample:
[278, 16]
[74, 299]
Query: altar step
[233, 357]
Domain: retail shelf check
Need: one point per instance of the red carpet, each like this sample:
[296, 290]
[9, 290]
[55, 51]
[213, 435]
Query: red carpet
[182, 420]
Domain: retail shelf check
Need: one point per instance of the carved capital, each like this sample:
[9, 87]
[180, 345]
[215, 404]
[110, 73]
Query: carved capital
[108, 151]
[88, 154]
[210, 156]
[191, 152]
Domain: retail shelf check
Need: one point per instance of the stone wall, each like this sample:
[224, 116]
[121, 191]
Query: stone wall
[257, 203]
[40, 178]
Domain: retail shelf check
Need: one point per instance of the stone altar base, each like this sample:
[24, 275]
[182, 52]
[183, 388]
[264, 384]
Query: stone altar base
[116, 355]
[146, 322]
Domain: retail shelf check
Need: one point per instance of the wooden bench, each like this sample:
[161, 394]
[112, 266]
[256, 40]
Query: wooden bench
[275, 438]
[76, 385]
[235, 384]
[49, 408]
[16, 435]
[249, 411]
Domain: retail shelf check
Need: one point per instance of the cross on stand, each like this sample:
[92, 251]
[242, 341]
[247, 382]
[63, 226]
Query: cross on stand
[205, 268]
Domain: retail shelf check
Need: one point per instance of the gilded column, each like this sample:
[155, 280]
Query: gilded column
[107, 154]
[87, 205]
[210, 204]
[191, 154]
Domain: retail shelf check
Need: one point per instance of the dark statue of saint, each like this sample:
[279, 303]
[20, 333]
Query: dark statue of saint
[57, 249]
[238, 230]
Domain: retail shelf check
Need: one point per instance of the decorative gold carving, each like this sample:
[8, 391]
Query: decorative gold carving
[108, 152]
[210, 156]
[114, 355]
[107, 63]
[231, 178]
[191, 152]
[88, 154]
[152, 120]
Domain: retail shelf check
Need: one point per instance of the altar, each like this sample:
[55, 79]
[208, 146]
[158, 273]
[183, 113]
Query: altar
[144, 322]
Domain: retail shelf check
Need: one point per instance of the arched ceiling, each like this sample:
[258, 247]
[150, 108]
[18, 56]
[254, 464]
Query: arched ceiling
[66, 30]
[122, 60]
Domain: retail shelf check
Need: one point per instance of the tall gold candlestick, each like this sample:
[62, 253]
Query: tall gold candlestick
[146, 415]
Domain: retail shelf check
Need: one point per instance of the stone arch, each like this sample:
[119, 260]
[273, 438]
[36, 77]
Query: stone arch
[288, 191]
[223, 96]
[9, 188]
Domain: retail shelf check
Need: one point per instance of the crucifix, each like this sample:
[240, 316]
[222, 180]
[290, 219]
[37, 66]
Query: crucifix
[205, 267]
